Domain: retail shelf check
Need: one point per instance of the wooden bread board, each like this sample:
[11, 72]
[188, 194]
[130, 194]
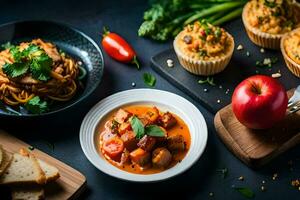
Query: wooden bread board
[71, 182]
[257, 147]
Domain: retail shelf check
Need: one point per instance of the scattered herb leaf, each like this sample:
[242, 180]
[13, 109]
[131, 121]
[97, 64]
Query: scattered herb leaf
[31, 148]
[149, 79]
[137, 127]
[36, 105]
[224, 172]
[154, 130]
[208, 80]
[246, 192]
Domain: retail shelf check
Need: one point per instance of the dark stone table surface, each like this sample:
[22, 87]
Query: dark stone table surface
[124, 17]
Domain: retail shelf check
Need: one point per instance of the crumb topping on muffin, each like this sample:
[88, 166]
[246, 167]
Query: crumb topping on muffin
[271, 16]
[203, 41]
[292, 46]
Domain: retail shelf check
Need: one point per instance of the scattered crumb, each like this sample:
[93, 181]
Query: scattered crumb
[79, 63]
[211, 194]
[218, 101]
[276, 75]
[227, 91]
[275, 176]
[240, 47]
[205, 90]
[170, 63]
[220, 86]
[267, 61]
[262, 50]
[263, 182]
[241, 178]
[263, 188]
[133, 84]
[247, 53]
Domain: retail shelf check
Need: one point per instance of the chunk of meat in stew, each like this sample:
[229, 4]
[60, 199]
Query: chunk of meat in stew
[130, 141]
[176, 143]
[122, 116]
[167, 120]
[147, 143]
[140, 157]
[161, 157]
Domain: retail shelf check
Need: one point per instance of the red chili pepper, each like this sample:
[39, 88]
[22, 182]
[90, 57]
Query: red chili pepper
[117, 48]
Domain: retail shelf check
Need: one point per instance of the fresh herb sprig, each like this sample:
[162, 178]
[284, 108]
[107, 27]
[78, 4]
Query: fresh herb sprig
[140, 130]
[32, 60]
[36, 105]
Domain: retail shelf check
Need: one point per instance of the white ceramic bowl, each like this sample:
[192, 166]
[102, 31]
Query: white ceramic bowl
[164, 101]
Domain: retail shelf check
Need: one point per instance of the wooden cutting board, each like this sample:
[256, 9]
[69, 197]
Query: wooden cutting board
[257, 147]
[71, 182]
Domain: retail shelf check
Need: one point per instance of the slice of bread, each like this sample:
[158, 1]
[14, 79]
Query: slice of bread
[50, 171]
[27, 193]
[6, 160]
[23, 169]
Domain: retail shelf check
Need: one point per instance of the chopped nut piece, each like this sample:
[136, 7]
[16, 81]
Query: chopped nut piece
[276, 75]
[240, 47]
[170, 63]
[267, 61]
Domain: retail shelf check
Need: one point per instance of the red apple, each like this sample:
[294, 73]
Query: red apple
[259, 102]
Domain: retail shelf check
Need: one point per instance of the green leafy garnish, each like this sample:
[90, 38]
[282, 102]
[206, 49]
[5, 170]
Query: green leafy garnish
[36, 105]
[155, 131]
[246, 192]
[149, 79]
[218, 33]
[270, 4]
[208, 80]
[137, 127]
[41, 67]
[33, 59]
[16, 69]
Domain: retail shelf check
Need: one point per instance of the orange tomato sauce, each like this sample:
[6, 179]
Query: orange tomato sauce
[180, 128]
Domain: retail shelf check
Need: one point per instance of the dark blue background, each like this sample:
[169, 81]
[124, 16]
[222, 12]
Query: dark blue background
[62, 130]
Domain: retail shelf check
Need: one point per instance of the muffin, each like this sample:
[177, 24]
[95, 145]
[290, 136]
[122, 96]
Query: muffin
[290, 48]
[204, 49]
[266, 21]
